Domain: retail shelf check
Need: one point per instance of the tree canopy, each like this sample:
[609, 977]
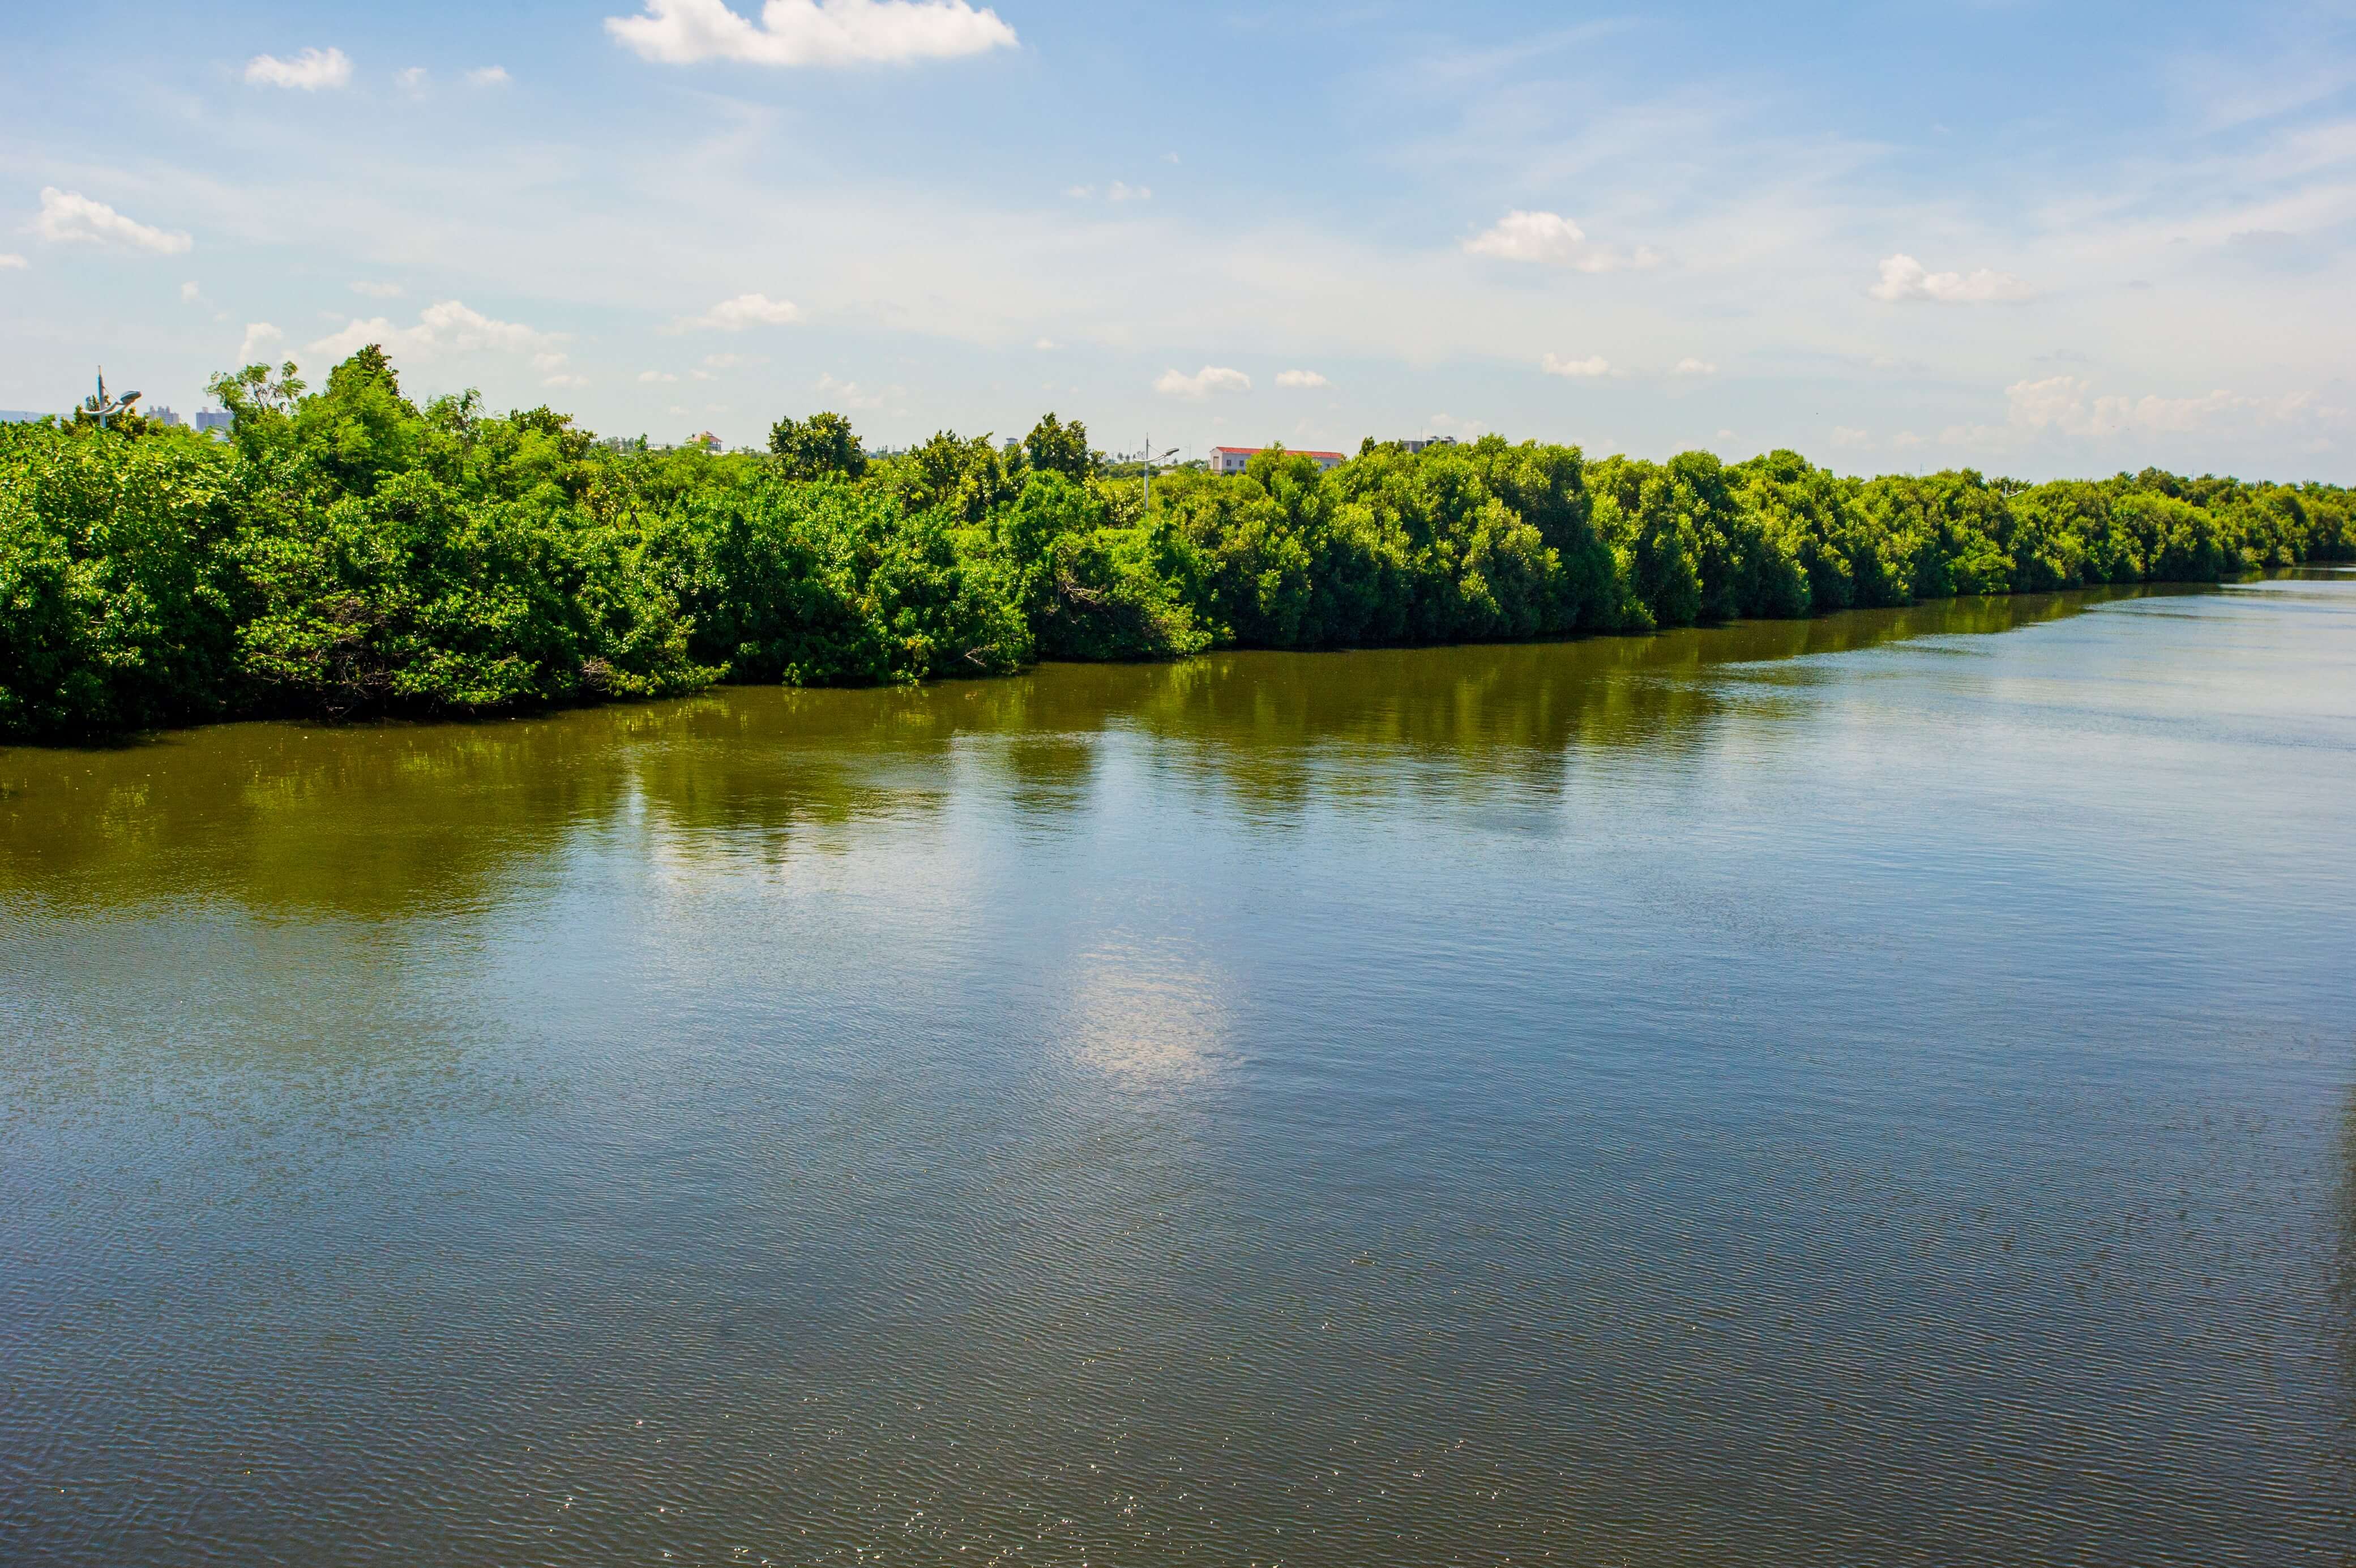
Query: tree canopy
[347, 551]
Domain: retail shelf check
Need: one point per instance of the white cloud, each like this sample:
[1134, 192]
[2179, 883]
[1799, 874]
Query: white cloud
[852, 396]
[1548, 239]
[1850, 435]
[2070, 406]
[310, 70]
[1905, 438]
[488, 75]
[259, 335]
[446, 328]
[377, 290]
[550, 361]
[1300, 378]
[1594, 365]
[1079, 192]
[412, 80]
[1044, 344]
[1117, 191]
[656, 376]
[1210, 378]
[565, 381]
[811, 32]
[1905, 280]
[746, 310]
[190, 292]
[1690, 366]
[1466, 428]
[731, 361]
[68, 217]
[12, 263]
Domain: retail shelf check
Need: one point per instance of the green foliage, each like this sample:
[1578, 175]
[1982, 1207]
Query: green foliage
[349, 552]
[818, 446]
[1054, 448]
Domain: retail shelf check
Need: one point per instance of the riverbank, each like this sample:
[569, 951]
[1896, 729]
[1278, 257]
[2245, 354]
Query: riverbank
[349, 552]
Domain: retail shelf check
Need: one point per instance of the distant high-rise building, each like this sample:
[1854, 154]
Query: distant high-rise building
[162, 413]
[1417, 444]
[214, 419]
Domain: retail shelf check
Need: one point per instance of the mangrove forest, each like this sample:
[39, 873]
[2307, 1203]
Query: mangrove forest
[346, 552]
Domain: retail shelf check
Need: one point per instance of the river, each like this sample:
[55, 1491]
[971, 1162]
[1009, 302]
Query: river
[1878, 1090]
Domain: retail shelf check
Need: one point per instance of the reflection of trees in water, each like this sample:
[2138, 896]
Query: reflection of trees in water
[394, 819]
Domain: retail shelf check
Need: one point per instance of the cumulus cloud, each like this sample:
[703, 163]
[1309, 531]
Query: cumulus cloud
[854, 397]
[488, 75]
[1850, 435]
[309, 72]
[811, 32]
[1465, 428]
[412, 80]
[12, 263]
[1204, 382]
[377, 290]
[446, 328]
[1548, 239]
[190, 292]
[746, 310]
[67, 217]
[1593, 365]
[1044, 344]
[1300, 378]
[1079, 192]
[565, 381]
[657, 378]
[1117, 191]
[259, 335]
[2071, 406]
[1690, 366]
[2063, 409]
[730, 361]
[1905, 280]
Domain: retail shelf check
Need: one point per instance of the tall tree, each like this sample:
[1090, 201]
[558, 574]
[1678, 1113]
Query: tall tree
[814, 447]
[1055, 447]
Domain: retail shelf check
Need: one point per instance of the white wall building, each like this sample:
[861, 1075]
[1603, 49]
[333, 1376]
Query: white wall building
[1231, 459]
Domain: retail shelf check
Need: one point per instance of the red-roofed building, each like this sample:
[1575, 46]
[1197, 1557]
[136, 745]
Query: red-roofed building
[1231, 459]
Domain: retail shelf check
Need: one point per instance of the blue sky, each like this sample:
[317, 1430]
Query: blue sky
[2033, 238]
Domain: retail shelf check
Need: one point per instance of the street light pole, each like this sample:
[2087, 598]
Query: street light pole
[1148, 511]
[101, 405]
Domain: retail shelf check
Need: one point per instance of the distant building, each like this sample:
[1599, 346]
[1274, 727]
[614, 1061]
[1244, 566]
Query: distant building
[19, 416]
[161, 413]
[1417, 444]
[1231, 459]
[214, 419]
[708, 441]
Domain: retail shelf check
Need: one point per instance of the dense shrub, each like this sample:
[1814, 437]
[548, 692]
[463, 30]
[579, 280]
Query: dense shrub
[348, 552]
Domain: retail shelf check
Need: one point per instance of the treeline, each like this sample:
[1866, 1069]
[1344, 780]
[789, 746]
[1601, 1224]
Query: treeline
[348, 552]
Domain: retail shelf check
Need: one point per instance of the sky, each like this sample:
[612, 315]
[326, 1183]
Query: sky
[2029, 237]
